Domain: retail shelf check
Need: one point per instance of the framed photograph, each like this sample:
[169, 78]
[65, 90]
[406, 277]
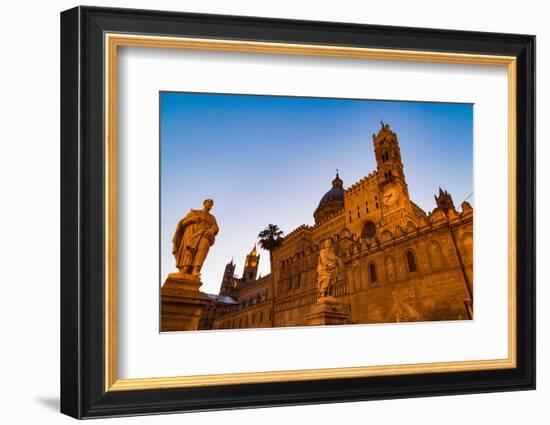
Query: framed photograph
[261, 212]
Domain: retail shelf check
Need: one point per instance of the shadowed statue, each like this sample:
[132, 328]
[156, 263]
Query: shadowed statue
[194, 236]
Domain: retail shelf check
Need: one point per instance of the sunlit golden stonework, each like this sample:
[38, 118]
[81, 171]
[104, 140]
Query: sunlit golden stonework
[398, 264]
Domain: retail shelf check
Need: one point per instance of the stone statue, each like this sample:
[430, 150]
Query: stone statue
[194, 236]
[328, 269]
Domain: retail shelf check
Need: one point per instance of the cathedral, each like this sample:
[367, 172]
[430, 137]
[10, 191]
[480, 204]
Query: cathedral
[400, 264]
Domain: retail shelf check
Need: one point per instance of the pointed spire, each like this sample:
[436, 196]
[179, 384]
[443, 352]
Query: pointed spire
[444, 200]
[254, 252]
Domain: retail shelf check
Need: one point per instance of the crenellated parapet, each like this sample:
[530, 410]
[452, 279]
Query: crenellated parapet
[295, 232]
[362, 184]
[418, 211]
[439, 215]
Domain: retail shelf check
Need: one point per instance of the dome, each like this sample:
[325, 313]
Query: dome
[332, 201]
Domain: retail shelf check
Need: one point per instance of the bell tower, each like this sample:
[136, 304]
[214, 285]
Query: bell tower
[229, 283]
[388, 156]
[251, 266]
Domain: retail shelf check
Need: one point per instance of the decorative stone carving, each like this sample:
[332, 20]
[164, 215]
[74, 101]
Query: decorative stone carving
[194, 236]
[444, 201]
[328, 310]
[182, 304]
[328, 269]
[466, 207]
[386, 236]
[437, 215]
[452, 214]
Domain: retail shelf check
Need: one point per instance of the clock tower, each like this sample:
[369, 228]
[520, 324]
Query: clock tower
[381, 201]
[392, 184]
[388, 156]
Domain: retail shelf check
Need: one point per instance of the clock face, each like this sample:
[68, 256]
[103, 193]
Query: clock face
[390, 196]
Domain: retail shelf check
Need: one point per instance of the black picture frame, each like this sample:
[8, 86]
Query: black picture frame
[83, 392]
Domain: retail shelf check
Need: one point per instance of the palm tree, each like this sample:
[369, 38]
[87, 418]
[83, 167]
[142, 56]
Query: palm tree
[270, 238]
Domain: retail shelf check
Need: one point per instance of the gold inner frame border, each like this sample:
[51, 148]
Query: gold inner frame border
[112, 41]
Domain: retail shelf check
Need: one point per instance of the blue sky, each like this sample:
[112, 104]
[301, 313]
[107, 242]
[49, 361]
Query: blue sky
[266, 159]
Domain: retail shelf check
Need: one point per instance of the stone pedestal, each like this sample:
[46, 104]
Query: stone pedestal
[328, 311]
[182, 303]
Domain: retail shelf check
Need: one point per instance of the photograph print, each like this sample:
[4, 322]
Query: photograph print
[283, 211]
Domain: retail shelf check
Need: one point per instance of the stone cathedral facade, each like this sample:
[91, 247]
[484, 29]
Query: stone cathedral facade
[401, 264]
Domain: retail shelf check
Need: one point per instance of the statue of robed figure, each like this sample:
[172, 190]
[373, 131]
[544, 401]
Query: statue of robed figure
[194, 236]
[328, 269]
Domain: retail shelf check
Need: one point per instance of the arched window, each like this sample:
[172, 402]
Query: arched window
[372, 273]
[435, 255]
[411, 261]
